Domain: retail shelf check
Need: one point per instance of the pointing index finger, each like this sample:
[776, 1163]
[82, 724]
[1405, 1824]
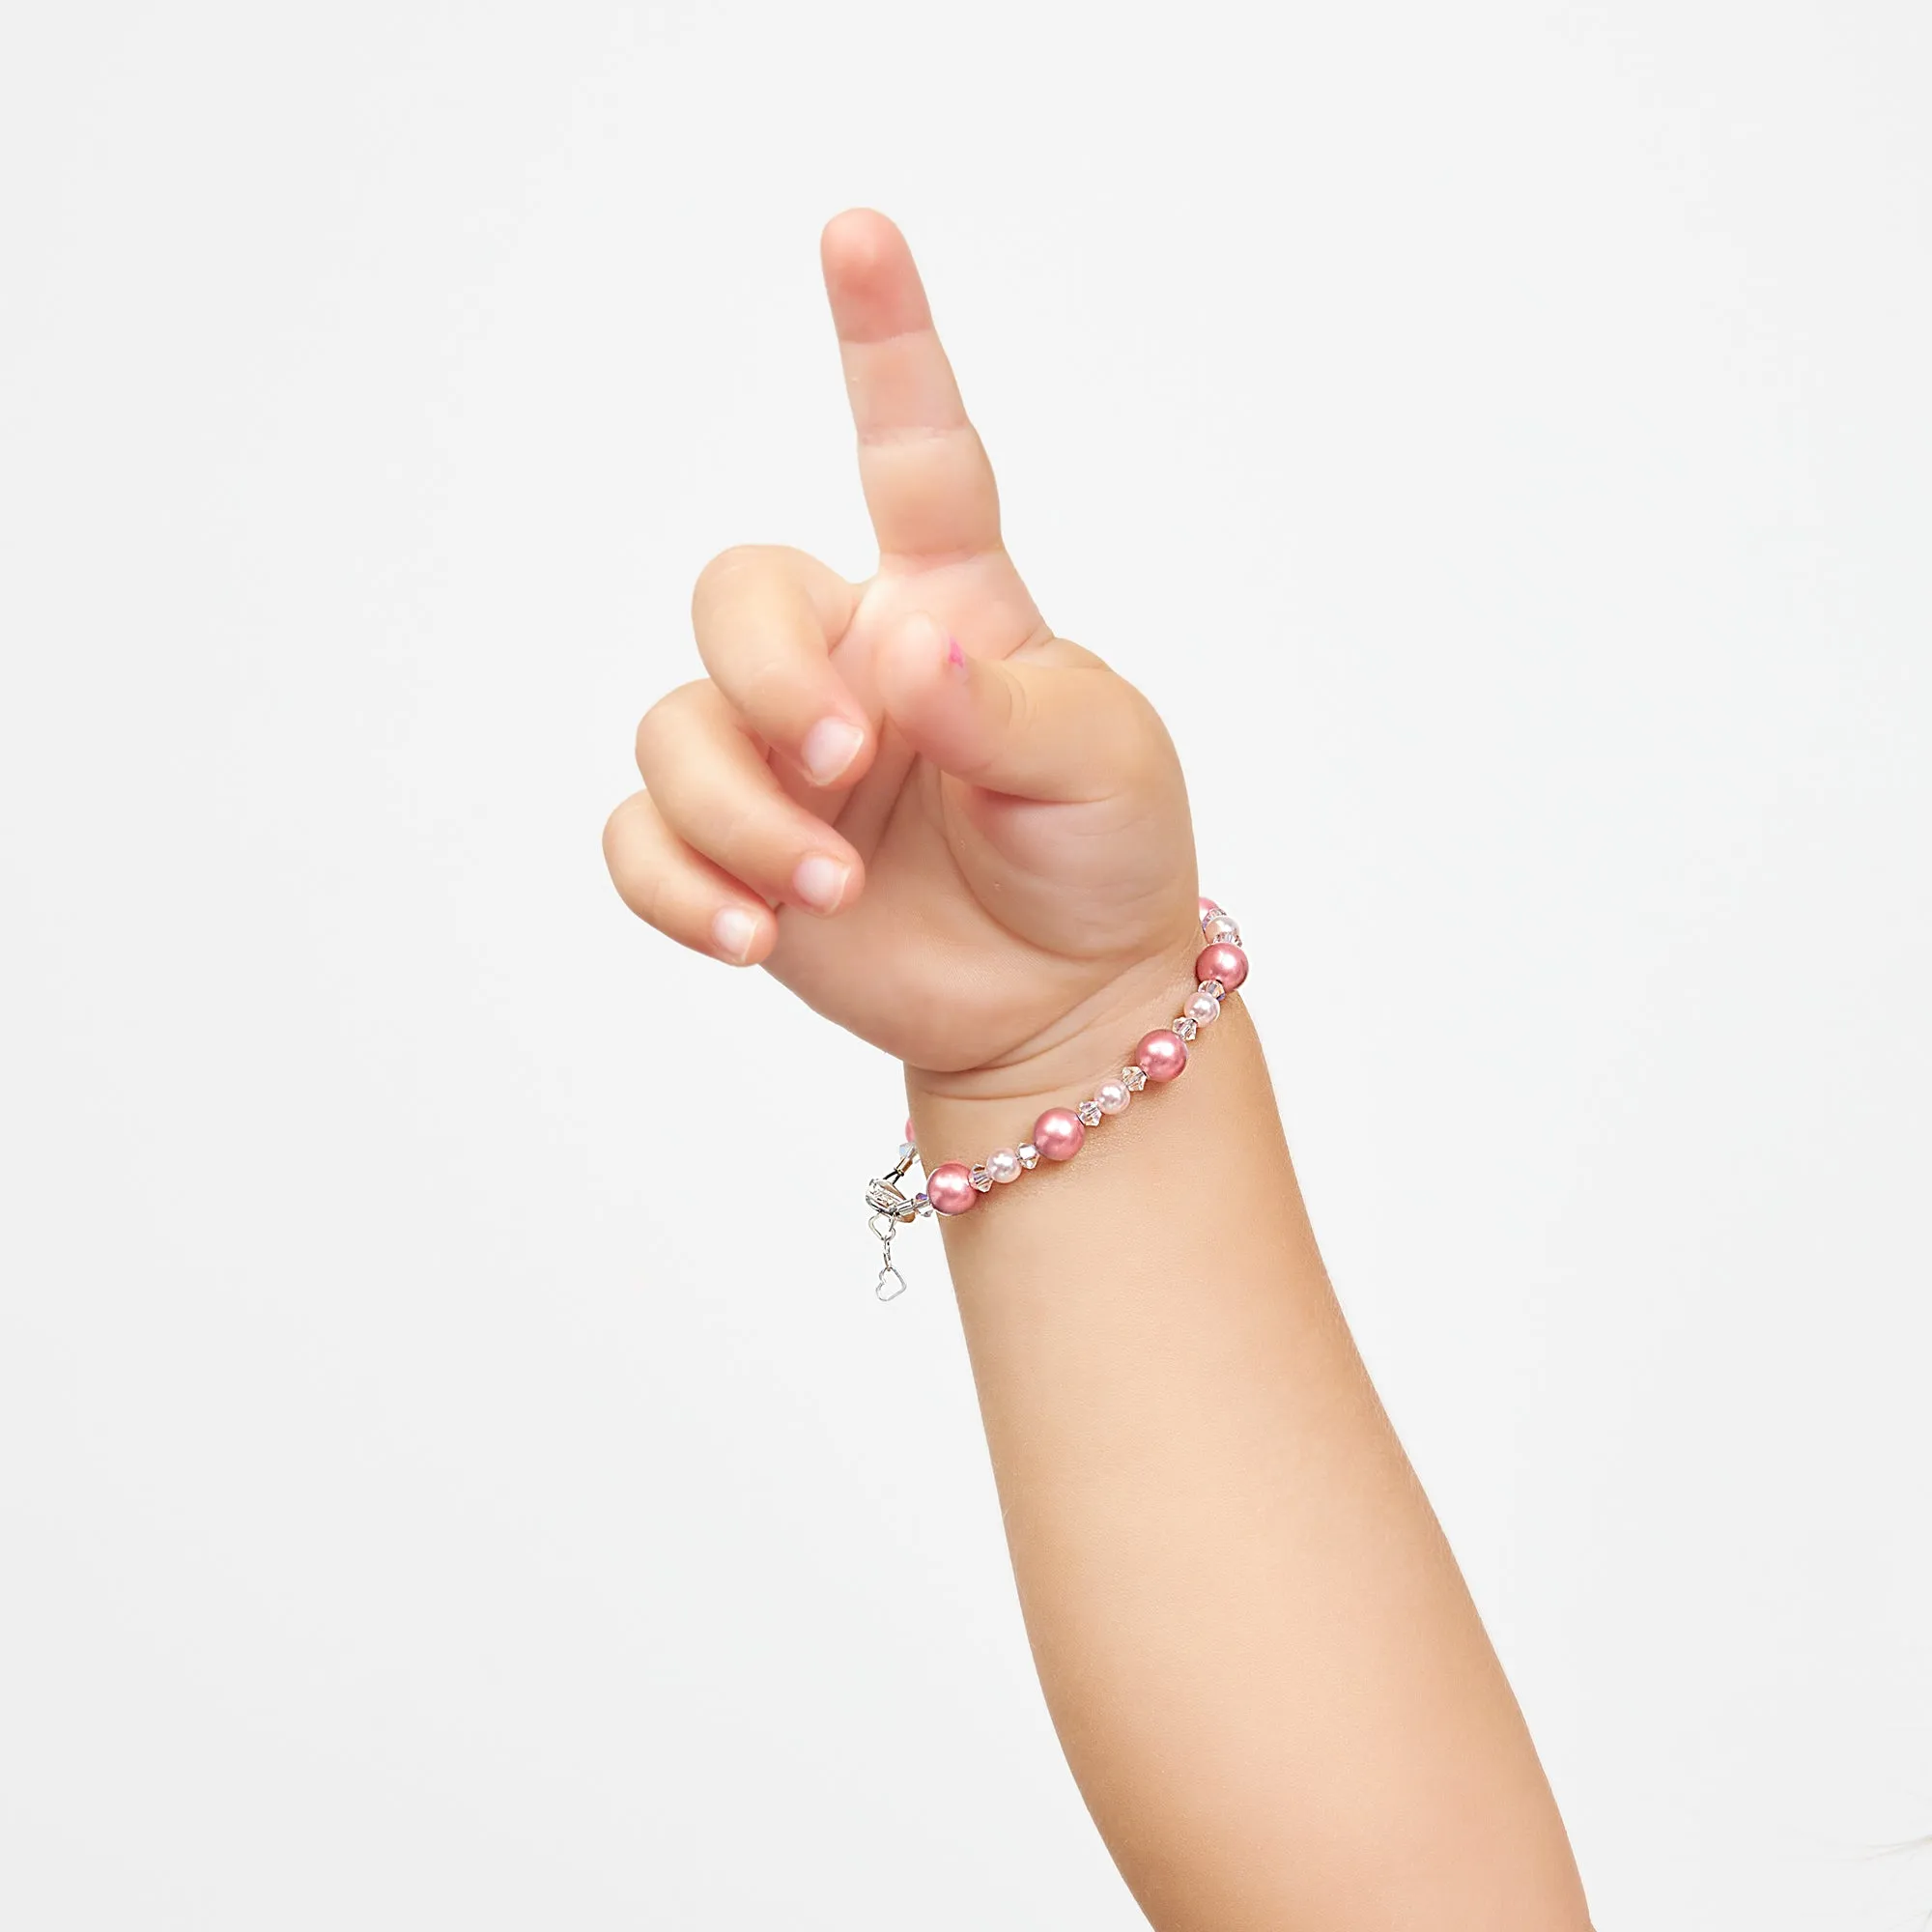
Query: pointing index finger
[928, 483]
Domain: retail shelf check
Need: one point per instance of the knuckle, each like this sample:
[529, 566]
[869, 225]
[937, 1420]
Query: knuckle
[1022, 718]
[726, 570]
[614, 838]
[639, 882]
[667, 720]
[1010, 718]
[1075, 657]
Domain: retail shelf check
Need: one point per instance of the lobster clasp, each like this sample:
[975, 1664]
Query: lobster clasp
[882, 1198]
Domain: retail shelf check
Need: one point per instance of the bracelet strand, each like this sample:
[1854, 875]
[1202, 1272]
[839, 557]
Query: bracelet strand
[954, 1186]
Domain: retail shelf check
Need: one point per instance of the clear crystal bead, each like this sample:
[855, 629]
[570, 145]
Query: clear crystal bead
[1214, 988]
[1185, 1027]
[1224, 933]
[1090, 1113]
[981, 1180]
[1135, 1077]
[1029, 1154]
[923, 1206]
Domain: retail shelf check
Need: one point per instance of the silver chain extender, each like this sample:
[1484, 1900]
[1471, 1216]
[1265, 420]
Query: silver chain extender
[891, 1212]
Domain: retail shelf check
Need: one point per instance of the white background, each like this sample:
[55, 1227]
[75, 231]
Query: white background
[451, 1470]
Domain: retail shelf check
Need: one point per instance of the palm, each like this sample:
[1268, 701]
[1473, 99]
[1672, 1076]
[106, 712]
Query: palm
[981, 920]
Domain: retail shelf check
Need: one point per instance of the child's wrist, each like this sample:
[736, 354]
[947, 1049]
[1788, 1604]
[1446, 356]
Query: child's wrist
[1091, 1044]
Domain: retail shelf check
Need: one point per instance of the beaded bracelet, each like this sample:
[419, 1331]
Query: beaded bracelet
[953, 1187]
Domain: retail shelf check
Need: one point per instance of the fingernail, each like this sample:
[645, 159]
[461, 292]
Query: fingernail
[829, 749]
[732, 931]
[955, 657]
[820, 881]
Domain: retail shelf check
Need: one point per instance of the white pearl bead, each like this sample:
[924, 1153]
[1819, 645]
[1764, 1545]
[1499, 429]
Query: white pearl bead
[1111, 1097]
[1004, 1165]
[1204, 1009]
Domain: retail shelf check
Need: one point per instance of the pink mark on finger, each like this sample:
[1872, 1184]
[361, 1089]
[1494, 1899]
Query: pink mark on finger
[954, 656]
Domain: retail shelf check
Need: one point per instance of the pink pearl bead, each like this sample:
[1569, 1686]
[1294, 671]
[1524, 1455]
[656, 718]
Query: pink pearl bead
[1226, 963]
[908, 1136]
[950, 1187]
[1058, 1133]
[1161, 1056]
[1207, 906]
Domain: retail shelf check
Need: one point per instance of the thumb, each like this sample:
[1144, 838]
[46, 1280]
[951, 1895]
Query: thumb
[1055, 725]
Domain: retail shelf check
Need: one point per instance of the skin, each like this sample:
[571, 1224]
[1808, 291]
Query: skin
[967, 840]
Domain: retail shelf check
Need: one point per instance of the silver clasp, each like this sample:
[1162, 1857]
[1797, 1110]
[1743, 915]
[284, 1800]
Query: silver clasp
[891, 1212]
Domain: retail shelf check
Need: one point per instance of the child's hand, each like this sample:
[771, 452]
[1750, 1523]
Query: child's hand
[956, 835]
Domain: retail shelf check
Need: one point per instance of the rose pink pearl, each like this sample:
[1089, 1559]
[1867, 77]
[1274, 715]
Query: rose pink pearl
[1161, 1056]
[907, 1136]
[950, 1187]
[1226, 963]
[1058, 1133]
[1207, 906]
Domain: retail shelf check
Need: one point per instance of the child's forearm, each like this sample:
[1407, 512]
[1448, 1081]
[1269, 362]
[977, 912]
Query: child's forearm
[1268, 1677]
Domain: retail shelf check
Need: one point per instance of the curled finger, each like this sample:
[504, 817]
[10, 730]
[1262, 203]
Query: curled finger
[680, 891]
[712, 785]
